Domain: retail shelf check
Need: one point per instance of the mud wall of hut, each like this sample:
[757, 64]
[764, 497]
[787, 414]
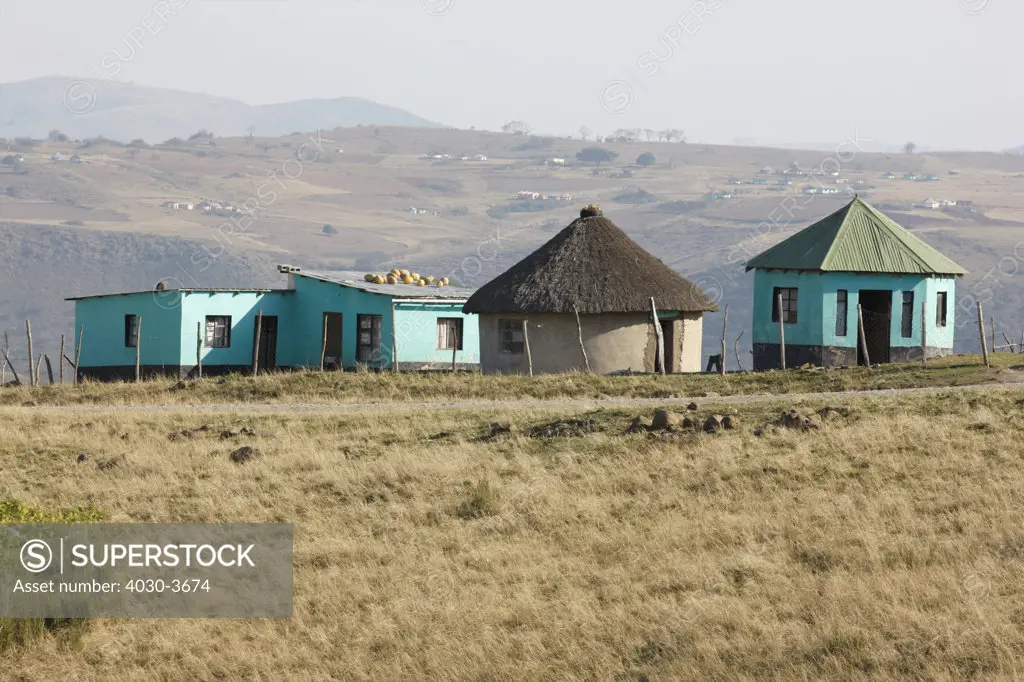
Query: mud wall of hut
[614, 342]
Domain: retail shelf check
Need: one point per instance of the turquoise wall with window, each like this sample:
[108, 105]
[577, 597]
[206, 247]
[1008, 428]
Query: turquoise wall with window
[170, 320]
[103, 344]
[416, 330]
[817, 295]
[243, 308]
[314, 298]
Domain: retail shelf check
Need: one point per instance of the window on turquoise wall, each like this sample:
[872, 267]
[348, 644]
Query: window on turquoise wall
[841, 309]
[449, 333]
[218, 331]
[907, 326]
[368, 343]
[940, 310]
[788, 305]
[512, 338]
[131, 331]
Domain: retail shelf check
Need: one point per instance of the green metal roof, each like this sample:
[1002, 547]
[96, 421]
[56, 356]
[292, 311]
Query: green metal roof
[856, 238]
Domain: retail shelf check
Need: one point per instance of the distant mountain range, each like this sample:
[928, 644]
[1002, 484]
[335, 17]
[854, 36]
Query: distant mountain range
[83, 108]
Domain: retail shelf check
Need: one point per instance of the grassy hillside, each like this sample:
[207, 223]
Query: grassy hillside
[885, 543]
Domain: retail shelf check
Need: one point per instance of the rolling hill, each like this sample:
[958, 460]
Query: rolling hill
[84, 108]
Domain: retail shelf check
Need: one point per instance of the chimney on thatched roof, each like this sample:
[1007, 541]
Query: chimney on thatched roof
[592, 265]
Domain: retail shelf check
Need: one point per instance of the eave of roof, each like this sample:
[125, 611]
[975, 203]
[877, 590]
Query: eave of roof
[164, 292]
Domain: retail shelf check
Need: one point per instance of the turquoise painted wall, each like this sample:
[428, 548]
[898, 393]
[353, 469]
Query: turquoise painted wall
[103, 319]
[243, 308]
[170, 320]
[816, 307]
[314, 298]
[807, 330]
[416, 329]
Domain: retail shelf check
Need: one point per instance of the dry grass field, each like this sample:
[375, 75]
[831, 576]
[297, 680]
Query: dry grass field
[886, 544]
[321, 388]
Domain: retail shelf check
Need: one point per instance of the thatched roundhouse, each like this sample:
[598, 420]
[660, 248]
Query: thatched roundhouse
[594, 268]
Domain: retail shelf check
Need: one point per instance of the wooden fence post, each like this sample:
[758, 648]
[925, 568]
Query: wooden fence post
[660, 357]
[138, 349]
[736, 350]
[526, 342]
[256, 343]
[78, 352]
[60, 360]
[863, 335]
[993, 321]
[39, 364]
[323, 345]
[924, 335]
[31, 374]
[14, 371]
[394, 342]
[199, 350]
[981, 330]
[782, 331]
[455, 345]
[725, 325]
[49, 368]
[579, 331]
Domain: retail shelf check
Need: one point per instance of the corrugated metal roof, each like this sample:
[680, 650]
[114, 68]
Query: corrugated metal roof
[185, 291]
[355, 280]
[857, 238]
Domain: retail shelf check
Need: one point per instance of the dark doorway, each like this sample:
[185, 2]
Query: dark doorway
[333, 334]
[876, 307]
[668, 334]
[266, 358]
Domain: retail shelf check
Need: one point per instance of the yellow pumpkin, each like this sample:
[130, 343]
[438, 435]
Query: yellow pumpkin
[406, 279]
[392, 279]
[369, 277]
[429, 279]
[421, 283]
[404, 273]
[440, 283]
[379, 279]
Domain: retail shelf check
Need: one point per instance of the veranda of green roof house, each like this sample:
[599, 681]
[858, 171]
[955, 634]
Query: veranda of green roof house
[857, 256]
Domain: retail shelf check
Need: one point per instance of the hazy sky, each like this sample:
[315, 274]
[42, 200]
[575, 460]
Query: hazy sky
[943, 73]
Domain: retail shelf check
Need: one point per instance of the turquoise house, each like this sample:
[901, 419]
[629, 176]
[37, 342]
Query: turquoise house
[333, 318]
[856, 258]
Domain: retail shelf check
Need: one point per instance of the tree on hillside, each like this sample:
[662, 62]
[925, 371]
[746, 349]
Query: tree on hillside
[646, 159]
[203, 134]
[585, 132]
[516, 128]
[910, 148]
[57, 136]
[596, 155]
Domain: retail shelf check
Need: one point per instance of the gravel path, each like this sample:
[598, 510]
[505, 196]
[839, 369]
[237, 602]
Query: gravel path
[571, 404]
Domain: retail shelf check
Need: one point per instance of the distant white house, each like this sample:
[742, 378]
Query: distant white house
[767, 170]
[947, 203]
[480, 157]
[930, 204]
[556, 162]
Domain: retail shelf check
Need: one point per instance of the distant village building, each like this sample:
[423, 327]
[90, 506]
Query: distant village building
[377, 326]
[855, 256]
[930, 204]
[591, 267]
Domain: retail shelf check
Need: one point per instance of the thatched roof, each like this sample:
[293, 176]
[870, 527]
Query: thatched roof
[595, 266]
